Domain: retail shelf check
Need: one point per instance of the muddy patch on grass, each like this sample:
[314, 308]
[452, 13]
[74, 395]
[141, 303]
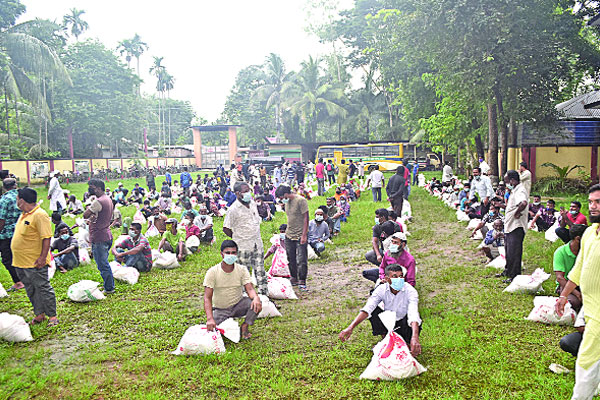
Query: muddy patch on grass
[65, 350]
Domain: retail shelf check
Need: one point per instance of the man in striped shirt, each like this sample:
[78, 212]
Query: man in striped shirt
[586, 275]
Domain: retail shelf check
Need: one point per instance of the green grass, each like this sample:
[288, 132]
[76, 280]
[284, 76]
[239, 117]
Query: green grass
[476, 343]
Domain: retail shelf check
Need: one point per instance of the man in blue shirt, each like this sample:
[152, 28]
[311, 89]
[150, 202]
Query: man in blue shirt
[9, 214]
[168, 178]
[186, 181]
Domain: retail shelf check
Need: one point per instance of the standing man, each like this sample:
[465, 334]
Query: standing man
[586, 275]
[415, 173]
[168, 179]
[361, 169]
[395, 190]
[277, 176]
[446, 172]
[186, 181]
[342, 173]
[377, 181]
[31, 256]
[242, 224]
[352, 168]
[296, 234]
[56, 194]
[9, 214]
[330, 172]
[150, 181]
[100, 214]
[320, 172]
[525, 175]
[482, 186]
[515, 224]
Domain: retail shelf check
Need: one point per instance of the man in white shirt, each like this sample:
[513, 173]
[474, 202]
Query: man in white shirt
[377, 181]
[447, 172]
[515, 224]
[205, 223]
[525, 176]
[242, 223]
[361, 169]
[482, 186]
[55, 193]
[396, 296]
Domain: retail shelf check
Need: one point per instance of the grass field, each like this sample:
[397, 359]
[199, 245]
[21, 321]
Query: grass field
[476, 342]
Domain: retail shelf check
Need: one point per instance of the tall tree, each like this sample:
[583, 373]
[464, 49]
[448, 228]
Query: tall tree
[271, 91]
[74, 21]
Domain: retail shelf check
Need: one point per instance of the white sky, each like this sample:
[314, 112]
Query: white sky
[204, 43]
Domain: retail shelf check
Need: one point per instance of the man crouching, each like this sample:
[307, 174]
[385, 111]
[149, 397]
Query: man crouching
[223, 288]
[396, 296]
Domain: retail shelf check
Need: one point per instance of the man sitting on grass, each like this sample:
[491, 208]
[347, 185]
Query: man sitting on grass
[172, 240]
[318, 232]
[488, 218]
[135, 250]
[494, 239]
[396, 254]
[564, 260]
[224, 285]
[569, 218]
[396, 296]
[68, 250]
[544, 218]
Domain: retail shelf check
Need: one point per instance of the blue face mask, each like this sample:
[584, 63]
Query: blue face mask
[492, 213]
[282, 236]
[230, 259]
[397, 283]
[247, 197]
[509, 186]
[65, 237]
[285, 201]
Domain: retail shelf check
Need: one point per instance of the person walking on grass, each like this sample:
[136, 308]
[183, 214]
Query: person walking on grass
[296, 234]
[586, 275]
[100, 214]
[377, 181]
[9, 214]
[31, 256]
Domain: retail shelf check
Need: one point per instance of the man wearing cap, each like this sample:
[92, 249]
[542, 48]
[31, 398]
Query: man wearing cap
[31, 256]
[55, 193]
[398, 297]
[318, 232]
[173, 241]
[396, 254]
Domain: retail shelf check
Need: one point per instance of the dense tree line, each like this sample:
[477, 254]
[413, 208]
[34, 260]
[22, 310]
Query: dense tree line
[55, 86]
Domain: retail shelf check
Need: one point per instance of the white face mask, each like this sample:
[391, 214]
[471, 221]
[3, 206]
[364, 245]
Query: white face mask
[318, 218]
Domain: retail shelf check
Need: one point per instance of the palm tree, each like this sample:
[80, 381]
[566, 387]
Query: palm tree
[126, 47]
[23, 57]
[272, 90]
[313, 99]
[78, 25]
[159, 71]
[138, 47]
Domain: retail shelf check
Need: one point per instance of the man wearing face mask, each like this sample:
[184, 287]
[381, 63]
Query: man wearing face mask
[464, 193]
[318, 232]
[396, 254]
[515, 225]
[224, 285]
[569, 218]
[396, 296]
[134, 251]
[242, 223]
[100, 214]
[535, 206]
[68, 250]
[205, 223]
[545, 217]
[488, 218]
[382, 229]
[482, 186]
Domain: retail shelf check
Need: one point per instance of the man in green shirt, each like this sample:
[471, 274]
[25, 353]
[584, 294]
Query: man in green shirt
[564, 260]
[173, 240]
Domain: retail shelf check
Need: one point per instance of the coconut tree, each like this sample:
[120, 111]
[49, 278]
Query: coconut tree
[158, 71]
[271, 91]
[138, 47]
[77, 24]
[126, 47]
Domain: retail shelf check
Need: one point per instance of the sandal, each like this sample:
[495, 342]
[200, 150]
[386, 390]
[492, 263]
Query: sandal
[36, 321]
[53, 322]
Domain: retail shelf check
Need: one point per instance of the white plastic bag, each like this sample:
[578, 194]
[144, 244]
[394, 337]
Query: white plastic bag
[192, 243]
[462, 216]
[280, 288]
[528, 283]
[139, 217]
[166, 260]
[3, 292]
[550, 234]
[152, 231]
[155, 254]
[84, 256]
[391, 356]
[197, 340]
[13, 328]
[543, 311]
[311, 252]
[51, 269]
[125, 274]
[84, 291]
[474, 223]
[268, 308]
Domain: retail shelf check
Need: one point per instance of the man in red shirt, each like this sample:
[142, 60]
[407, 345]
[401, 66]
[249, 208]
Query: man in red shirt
[569, 218]
[320, 172]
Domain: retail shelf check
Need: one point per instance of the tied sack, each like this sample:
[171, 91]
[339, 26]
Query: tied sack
[13, 328]
[3, 292]
[550, 234]
[391, 356]
[139, 217]
[528, 283]
[198, 340]
[166, 260]
[543, 311]
[192, 243]
[84, 256]
[85, 291]
[125, 274]
[280, 264]
[51, 267]
[268, 308]
[280, 288]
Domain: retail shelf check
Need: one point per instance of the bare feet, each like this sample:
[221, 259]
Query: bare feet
[245, 333]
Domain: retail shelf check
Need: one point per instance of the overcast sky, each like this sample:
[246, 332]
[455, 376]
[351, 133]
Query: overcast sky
[204, 43]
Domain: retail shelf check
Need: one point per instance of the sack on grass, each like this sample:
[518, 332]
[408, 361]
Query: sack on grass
[462, 216]
[119, 241]
[391, 356]
[84, 257]
[198, 340]
[477, 236]
[51, 268]
[155, 254]
[543, 311]
[280, 266]
[474, 223]
[406, 209]
[85, 291]
[280, 288]
[152, 231]
[3, 292]
[192, 243]
[166, 260]
[125, 274]
[311, 252]
[550, 234]
[13, 328]
[268, 308]
[139, 217]
[528, 283]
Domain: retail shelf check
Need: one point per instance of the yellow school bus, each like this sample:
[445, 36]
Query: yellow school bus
[387, 155]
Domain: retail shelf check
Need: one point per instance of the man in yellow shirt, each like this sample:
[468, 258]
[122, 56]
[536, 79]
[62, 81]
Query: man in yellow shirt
[586, 275]
[31, 257]
[342, 173]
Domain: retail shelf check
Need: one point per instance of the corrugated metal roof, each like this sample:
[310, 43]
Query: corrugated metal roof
[581, 107]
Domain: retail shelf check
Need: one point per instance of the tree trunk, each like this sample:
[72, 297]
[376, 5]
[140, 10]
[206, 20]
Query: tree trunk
[339, 129]
[503, 133]
[479, 146]
[512, 133]
[17, 116]
[7, 122]
[493, 139]
[45, 117]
